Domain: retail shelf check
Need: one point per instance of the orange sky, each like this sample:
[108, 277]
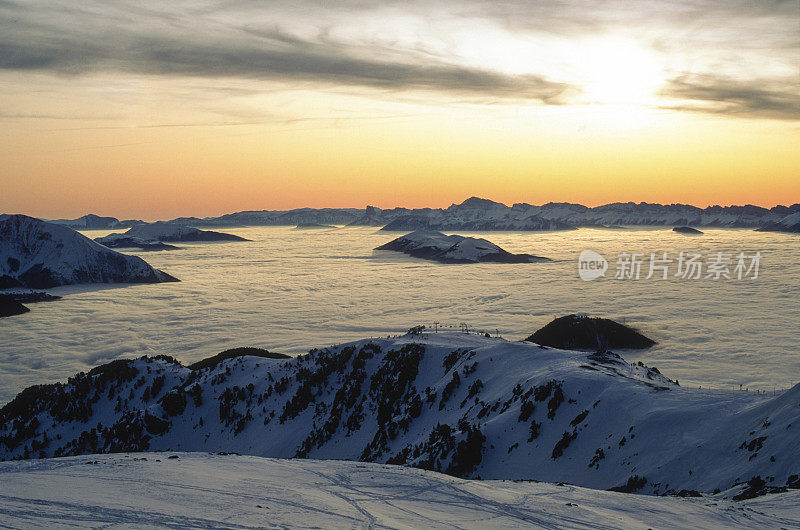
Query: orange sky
[392, 108]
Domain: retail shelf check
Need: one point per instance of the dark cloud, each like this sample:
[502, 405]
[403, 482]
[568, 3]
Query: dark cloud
[316, 42]
[757, 99]
[268, 54]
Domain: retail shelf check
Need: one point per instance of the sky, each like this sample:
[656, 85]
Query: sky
[151, 109]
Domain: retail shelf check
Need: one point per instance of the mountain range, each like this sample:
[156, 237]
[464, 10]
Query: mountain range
[483, 214]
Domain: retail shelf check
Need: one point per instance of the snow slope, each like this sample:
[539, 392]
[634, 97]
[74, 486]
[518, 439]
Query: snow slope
[467, 405]
[436, 246]
[230, 491]
[37, 254]
[790, 223]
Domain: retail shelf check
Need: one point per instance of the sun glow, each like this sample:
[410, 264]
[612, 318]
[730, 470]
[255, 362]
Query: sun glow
[617, 72]
[607, 70]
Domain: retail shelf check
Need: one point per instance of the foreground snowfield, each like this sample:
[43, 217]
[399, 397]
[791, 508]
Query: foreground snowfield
[232, 491]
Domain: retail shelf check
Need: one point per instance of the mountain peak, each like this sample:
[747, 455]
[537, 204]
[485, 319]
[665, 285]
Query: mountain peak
[38, 254]
[478, 203]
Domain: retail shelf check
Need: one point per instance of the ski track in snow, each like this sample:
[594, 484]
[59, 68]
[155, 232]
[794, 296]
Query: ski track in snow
[233, 491]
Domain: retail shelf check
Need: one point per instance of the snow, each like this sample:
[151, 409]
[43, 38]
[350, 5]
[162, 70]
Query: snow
[791, 219]
[471, 249]
[38, 254]
[432, 239]
[232, 491]
[599, 421]
[791, 222]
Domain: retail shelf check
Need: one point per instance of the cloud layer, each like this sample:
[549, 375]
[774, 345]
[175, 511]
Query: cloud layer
[758, 98]
[736, 57]
[86, 46]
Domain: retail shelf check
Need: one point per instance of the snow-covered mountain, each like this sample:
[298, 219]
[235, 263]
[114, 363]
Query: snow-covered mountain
[475, 214]
[201, 490]
[790, 223]
[328, 216]
[467, 405]
[448, 221]
[374, 216]
[436, 246]
[482, 214]
[96, 222]
[164, 231]
[38, 255]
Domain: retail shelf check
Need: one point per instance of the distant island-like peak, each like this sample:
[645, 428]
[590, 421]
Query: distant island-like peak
[152, 236]
[687, 230]
[436, 246]
[582, 332]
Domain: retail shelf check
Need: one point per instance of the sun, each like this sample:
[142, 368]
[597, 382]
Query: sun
[618, 72]
[605, 70]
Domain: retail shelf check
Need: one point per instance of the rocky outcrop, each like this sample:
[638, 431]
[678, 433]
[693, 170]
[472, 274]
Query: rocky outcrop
[10, 307]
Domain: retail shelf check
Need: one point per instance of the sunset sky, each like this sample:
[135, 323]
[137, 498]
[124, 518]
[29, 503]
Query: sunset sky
[152, 109]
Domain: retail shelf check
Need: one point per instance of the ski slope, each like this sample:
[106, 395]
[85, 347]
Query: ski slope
[204, 490]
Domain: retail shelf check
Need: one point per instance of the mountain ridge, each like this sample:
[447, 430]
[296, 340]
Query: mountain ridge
[477, 213]
[463, 404]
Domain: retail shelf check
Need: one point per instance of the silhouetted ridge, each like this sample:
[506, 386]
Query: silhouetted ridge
[580, 332]
[10, 307]
[211, 362]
